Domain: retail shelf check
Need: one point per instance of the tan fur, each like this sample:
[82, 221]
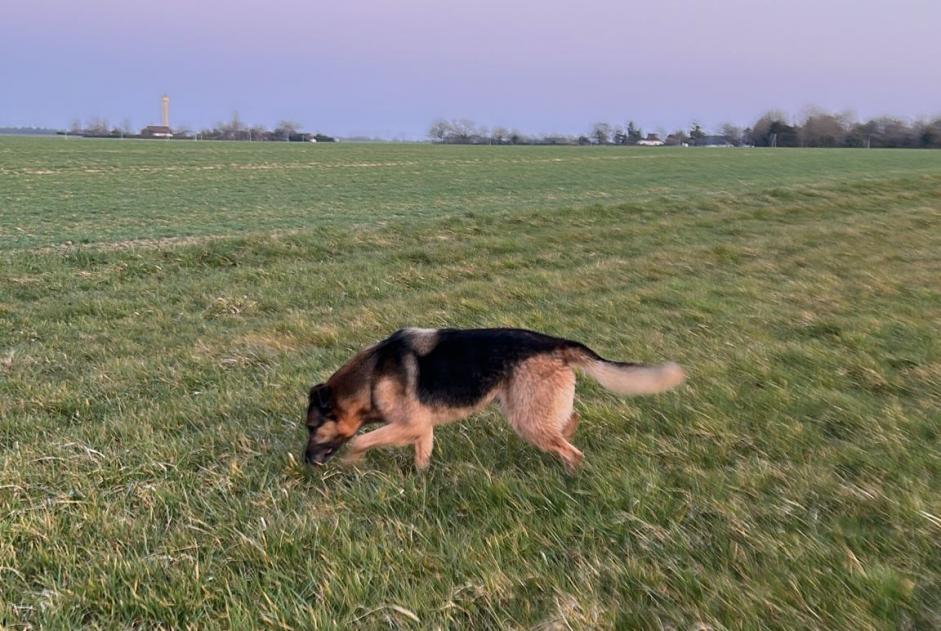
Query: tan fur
[538, 404]
[326, 432]
[423, 340]
[569, 430]
[633, 380]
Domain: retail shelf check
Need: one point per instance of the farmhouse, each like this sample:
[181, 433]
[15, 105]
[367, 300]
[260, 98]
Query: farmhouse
[156, 131]
[652, 140]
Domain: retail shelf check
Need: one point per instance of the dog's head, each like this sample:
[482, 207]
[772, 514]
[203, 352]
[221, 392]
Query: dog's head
[326, 425]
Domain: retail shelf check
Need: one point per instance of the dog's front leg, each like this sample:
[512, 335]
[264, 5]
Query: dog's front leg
[391, 435]
[423, 448]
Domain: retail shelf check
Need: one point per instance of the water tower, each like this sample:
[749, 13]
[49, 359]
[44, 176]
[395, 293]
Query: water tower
[165, 110]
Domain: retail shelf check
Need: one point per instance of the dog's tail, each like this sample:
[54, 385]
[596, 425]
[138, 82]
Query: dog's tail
[623, 377]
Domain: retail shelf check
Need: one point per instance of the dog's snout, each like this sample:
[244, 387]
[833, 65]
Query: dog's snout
[318, 456]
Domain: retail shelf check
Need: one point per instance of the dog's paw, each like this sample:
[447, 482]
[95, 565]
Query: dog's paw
[352, 458]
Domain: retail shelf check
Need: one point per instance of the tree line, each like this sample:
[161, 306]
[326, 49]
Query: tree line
[27, 131]
[234, 129]
[817, 128]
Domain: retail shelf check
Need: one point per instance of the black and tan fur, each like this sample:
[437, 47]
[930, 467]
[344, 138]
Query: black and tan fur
[419, 378]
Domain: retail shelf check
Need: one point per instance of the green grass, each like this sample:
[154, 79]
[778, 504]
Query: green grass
[55, 191]
[153, 377]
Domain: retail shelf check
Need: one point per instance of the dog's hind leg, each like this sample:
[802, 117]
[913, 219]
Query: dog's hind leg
[538, 404]
[569, 430]
[566, 451]
[551, 442]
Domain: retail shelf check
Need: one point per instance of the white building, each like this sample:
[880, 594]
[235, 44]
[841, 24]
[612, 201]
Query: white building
[652, 140]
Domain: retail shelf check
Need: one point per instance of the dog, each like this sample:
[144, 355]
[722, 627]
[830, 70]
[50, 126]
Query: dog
[419, 378]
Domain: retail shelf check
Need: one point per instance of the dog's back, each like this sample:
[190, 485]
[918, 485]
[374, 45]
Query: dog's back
[459, 367]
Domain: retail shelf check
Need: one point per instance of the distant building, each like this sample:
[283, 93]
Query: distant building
[305, 137]
[163, 129]
[652, 140]
[156, 131]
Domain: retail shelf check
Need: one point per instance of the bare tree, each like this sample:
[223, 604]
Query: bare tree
[601, 133]
[439, 130]
[463, 129]
[286, 129]
[97, 125]
[457, 131]
[258, 132]
[772, 129]
[821, 129]
[678, 137]
[732, 133]
[233, 129]
[761, 130]
[928, 134]
[893, 132]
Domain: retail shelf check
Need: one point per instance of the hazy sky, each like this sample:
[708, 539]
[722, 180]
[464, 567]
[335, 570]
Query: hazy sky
[389, 67]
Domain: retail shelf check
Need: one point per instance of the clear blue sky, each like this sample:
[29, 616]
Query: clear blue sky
[388, 68]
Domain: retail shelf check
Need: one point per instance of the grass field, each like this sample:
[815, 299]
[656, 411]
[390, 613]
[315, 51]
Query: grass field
[164, 307]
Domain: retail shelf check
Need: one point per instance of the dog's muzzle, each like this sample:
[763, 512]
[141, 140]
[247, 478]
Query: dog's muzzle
[319, 456]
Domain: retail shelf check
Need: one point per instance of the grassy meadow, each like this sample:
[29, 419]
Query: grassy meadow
[164, 307]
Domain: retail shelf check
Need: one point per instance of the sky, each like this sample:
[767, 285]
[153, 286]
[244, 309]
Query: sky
[389, 68]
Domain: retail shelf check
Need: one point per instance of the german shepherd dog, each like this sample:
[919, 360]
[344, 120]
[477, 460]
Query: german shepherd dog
[419, 378]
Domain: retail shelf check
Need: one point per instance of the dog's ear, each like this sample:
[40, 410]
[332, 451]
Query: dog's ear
[320, 397]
